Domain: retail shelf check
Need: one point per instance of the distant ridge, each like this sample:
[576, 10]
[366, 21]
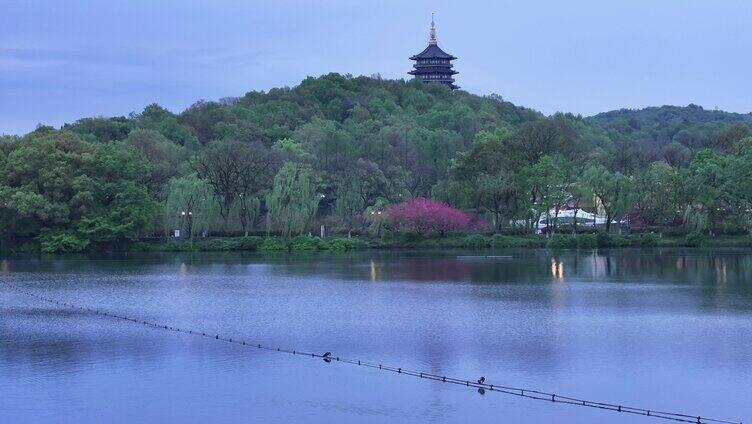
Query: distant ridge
[690, 125]
[668, 113]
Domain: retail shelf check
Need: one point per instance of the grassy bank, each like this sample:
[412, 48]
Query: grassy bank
[254, 243]
[413, 241]
[474, 241]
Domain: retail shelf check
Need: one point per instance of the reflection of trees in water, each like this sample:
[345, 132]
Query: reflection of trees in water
[716, 274]
[722, 275]
[59, 344]
[446, 269]
[681, 267]
[722, 278]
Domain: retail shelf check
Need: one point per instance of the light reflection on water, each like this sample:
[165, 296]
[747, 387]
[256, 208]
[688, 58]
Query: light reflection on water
[664, 329]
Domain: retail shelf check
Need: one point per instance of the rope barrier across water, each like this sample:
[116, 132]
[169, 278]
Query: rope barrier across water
[479, 384]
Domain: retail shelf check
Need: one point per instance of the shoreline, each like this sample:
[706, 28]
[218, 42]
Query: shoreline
[480, 242]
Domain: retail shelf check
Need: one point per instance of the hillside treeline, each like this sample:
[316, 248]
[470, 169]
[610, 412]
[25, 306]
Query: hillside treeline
[336, 148]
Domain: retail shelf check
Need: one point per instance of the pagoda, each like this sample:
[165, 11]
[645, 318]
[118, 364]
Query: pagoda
[433, 65]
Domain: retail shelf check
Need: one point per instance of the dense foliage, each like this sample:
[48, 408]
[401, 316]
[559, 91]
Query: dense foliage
[338, 150]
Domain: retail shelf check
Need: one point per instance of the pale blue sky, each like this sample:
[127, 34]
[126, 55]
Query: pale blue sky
[62, 60]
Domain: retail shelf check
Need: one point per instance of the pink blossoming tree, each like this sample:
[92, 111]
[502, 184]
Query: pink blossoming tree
[425, 216]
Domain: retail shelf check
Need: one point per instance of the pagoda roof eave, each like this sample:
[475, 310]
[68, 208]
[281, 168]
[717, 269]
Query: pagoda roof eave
[418, 72]
[433, 51]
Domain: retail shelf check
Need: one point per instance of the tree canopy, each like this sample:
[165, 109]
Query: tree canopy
[335, 148]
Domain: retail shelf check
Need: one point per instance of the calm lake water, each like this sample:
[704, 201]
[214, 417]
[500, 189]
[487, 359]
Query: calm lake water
[661, 329]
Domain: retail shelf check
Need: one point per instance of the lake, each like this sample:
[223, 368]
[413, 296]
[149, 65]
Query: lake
[663, 329]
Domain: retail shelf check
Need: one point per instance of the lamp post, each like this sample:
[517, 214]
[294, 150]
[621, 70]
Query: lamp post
[377, 220]
[186, 219]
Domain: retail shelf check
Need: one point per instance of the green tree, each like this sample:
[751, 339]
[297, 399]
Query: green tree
[122, 208]
[489, 175]
[294, 199]
[45, 183]
[248, 210]
[612, 191]
[101, 129]
[739, 183]
[157, 118]
[191, 205]
[533, 140]
[661, 194]
[548, 185]
[708, 187]
[363, 184]
[165, 157]
[236, 169]
[95, 192]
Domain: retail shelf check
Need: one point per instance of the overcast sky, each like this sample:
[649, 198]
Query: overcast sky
[62, 60]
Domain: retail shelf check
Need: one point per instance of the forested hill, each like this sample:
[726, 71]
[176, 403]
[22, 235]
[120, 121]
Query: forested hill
[690, 125]
[333, 148]
[359, 105]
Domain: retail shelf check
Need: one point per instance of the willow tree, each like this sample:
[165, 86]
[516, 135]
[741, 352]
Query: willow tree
[293, 201]
[612, 190]
[248, 208]
[236, 170]
[710, 178]
[191, 205]
[548, 185]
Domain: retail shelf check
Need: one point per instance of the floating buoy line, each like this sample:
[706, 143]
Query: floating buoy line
[480, 384]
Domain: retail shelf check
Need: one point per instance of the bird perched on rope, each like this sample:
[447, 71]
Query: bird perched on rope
[481, 380]
[327, 357]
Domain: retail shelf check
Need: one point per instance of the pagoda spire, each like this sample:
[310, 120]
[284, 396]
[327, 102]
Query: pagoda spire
[432, 38]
